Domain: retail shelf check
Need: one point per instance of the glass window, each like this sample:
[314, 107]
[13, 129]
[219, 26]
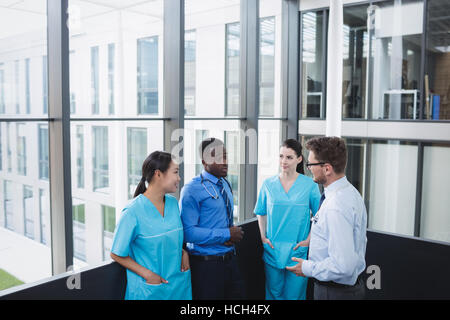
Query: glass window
[8, 204]
[267, 67]
[313, 53]
[137, 153]
[269, 142]
[44, 85]
[109, 224]
[200, 135]
[73, 100]
[43, 152]
[233, 153]
[21, 149]
[44, 217]
[2, 89]
[356, 159]
[27, 85]
[233, 35]
[390, 207]
[17, 85]
[356, 47]
[28, 208]
[147, 75]
[189, 72]
[79, 229]
[100, 159]
[435, 218]
[396, 55]
[94, 80]
[437, 74]
[111, 72]
[80, 156]
[8, 146]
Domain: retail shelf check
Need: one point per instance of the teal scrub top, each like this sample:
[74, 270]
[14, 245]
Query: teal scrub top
[288, 218]
[156, 243]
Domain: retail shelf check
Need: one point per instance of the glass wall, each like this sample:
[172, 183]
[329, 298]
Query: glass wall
[233, 34]
[24, 224]
[313, 64]
[437, 74]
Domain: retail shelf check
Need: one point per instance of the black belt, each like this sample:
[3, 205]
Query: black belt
[333, 284]
[227, 256]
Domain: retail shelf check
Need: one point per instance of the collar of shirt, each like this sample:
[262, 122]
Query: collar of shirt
[338, 184]
[208, 176]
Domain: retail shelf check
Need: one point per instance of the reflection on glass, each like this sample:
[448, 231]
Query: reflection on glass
[267, 66]
[312, 65]
[390, 207]
[356, 47]
[435, 220]
[43, 152]
[95, 103]
[109, 224]
[80, 156]
[233, 35]
[396, 54]
[28, 211]
[21, 149]
[437, 75]
[111, 73]
[79, 229]
[137, 153]
[147, 75]
[100, 159]
[189, 72]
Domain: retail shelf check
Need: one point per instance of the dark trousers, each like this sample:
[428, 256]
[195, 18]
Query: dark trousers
[327, 292]
[216, 280]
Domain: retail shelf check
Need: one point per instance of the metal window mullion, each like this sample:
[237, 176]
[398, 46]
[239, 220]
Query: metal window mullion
[249, 104]
[423, 60]
[419, 180]
[59, 136]
[174, 78]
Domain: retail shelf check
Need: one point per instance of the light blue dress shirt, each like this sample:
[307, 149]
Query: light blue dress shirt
[205, 219]
[338, 236]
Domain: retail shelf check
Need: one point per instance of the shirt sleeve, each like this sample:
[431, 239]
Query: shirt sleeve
[342, 258]
[261, 203]
[124, 234]
[190, 216]
[314, 199]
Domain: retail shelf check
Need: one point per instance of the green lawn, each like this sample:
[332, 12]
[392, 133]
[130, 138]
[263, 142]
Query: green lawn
[7, 280]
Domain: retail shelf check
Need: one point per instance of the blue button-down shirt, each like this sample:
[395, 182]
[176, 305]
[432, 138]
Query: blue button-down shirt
[338, 236]
[205, 219]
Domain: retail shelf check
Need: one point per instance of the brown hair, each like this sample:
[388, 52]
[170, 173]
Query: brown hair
[331, 150]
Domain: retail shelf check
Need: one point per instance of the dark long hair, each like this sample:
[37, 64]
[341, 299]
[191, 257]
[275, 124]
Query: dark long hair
[158, 160]
[297, 147]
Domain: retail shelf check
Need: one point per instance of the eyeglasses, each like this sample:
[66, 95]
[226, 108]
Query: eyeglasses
[309, 165]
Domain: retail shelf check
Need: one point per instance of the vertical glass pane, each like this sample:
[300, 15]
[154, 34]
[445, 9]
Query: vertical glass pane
[212, 58]
[200, 135]
[232, 68]
[94, 81]
[435, 218]
[80, 156]
[437, 74]
[396, 55]
[356, 159]
[28, 211]
[137, 153]
[43, 152]
[23, 44]
[313, 50]
[100, 159]
[270, 58]
[269, 142]
[233, 151]
[390, 207]
[44, 217]
[79, 229]
[356, 47]
[116, 57]
[109, 224]
[189, 72]
[267, 67]
[147, 75]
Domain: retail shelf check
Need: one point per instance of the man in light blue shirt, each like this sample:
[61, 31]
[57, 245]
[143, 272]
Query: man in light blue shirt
[338, 240]
[206, 205]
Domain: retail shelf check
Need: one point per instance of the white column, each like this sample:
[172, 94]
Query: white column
[334, 69]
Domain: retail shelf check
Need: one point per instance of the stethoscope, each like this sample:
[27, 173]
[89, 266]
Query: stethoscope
[215, 195]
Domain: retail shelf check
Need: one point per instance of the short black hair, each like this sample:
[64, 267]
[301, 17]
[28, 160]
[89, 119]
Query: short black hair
[208, 141]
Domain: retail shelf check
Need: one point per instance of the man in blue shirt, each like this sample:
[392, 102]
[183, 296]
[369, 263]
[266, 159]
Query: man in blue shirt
[338, 240]
[206, 205]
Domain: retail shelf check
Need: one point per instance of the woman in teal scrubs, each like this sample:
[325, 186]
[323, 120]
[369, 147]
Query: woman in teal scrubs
[148, 240]
[284, 208]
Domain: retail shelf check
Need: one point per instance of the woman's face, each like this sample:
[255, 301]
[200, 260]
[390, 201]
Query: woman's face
[171, 178]
[288, 160]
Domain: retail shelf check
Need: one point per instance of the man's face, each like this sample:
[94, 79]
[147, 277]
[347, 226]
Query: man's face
[318, 171]
[215, 161]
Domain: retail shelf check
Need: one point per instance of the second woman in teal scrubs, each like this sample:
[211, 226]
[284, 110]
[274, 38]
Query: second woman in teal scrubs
[148, 240]
[284, 208]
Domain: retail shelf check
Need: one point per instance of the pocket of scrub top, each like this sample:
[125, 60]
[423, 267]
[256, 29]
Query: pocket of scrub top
[153, 291]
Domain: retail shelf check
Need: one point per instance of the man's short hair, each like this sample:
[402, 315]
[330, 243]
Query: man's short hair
[331, 150]
[209, 142]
